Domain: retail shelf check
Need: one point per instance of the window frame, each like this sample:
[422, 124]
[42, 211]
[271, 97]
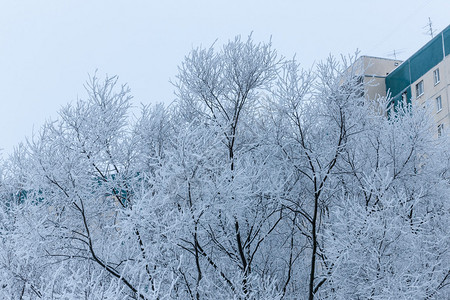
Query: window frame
[419, 88]
[405, 97]
[440, 130]
[436, 76]
[438, 103]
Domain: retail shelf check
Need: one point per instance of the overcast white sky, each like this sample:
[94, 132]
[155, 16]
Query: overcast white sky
[47, 48]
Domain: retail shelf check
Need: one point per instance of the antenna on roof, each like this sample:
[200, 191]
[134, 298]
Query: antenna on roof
[429, 28]
[394, 53]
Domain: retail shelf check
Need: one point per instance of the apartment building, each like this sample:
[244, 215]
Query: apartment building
[424, 79]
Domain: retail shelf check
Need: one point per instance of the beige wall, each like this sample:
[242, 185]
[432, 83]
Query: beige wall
[375, 87]
[375, 70]
[377, 66]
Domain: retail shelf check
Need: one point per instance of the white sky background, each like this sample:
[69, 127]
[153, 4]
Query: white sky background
[48, 48]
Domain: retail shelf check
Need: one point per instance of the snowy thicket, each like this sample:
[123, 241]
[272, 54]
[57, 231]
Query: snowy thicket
[262, 181]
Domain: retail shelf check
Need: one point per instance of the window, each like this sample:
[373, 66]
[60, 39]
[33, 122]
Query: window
[404, 97]
[436, 76]
[360, 85]
[439, 103]
[440, 130]
[419, 89]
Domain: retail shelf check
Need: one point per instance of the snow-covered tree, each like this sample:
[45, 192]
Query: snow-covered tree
[387, 237]
[226, 183]
[261, 181]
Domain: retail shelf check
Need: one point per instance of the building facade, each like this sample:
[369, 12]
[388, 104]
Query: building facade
[423, 79]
